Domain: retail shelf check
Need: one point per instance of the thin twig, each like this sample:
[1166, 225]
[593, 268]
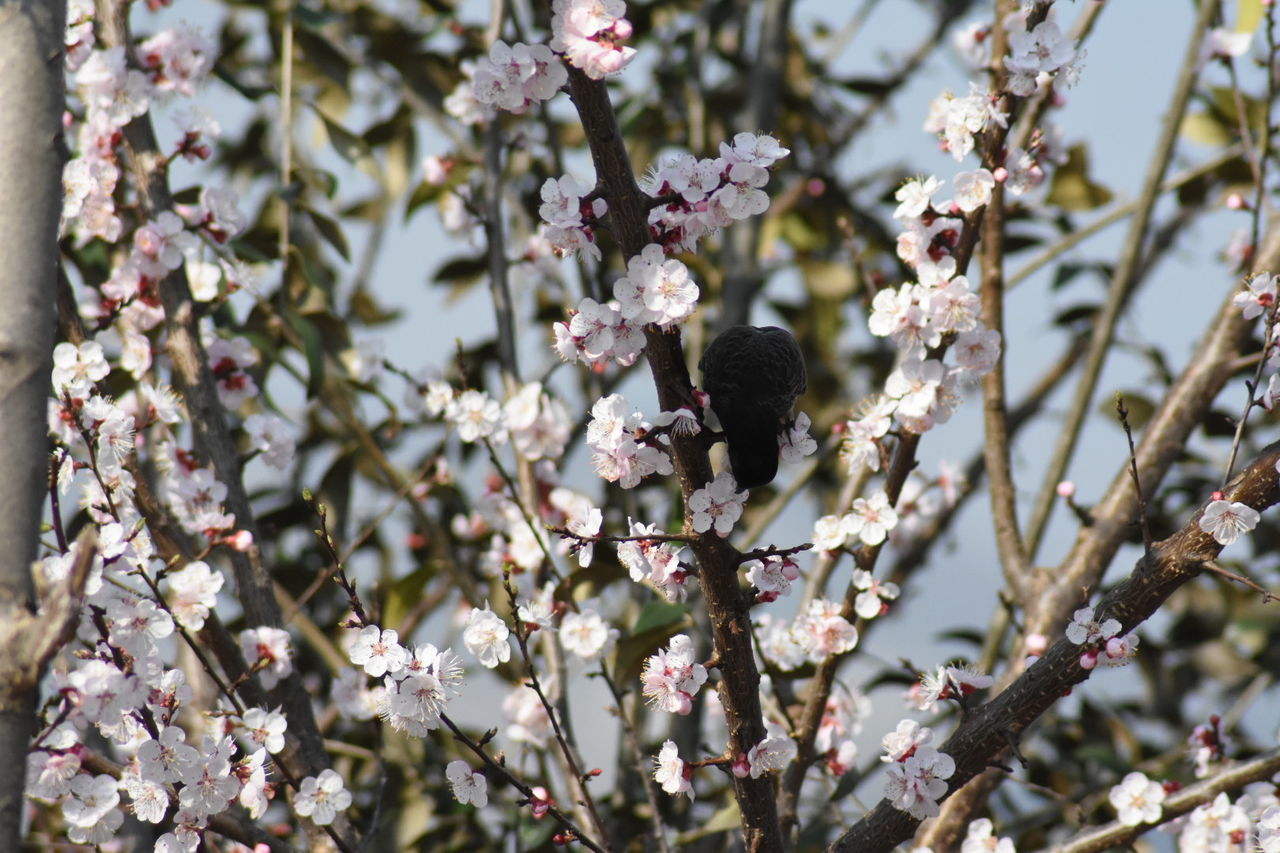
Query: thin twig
[604, 537]
[1225, 573]
[501, 769]
[765, 553]
[1123, 414]
[642, 763]
[567, 750]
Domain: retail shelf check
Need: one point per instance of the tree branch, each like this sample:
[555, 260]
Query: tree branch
[983, 734]
[717, 560]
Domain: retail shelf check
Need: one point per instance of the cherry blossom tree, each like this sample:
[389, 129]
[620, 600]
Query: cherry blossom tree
[298, 586]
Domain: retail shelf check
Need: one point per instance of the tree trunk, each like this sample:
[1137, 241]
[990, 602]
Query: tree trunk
[31, 103]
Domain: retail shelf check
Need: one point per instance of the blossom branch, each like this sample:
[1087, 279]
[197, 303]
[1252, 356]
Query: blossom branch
[1123, 413]
[208, 417]
[984, 733]
[717, 560]
[567, 750]
[866, 556]
[1010, 545]
[338, 570]
[764, 553]
[223, 823]
[641, 760]
[1115, 834]
[566, 533]
[477, 748]
[1165, 433]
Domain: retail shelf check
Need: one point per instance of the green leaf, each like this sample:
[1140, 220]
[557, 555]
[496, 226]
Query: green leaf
[320, 54]
[312, 18]
[1072, 189]
[1139, 405]
[331, 231]
[657, 614]
[1249, 15]
[423, 193]
[727, 819]
[368, 311]
[312, 348]
[461, 273]
[833, 280]
[404, 595]
[657, 623]
[350, 147]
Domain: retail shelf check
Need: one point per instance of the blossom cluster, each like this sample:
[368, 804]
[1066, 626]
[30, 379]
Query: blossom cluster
[818, 631]
[535, 423]
[417, 685]
[655, 290]
[774, 752]
[1039, 55]
[623, 450]
[162, 769]
[1137, 799]
[917, 773]
[771, 576]
[569, 217]
[842, 720]
[655, 561]
[1250, 822]
[869, 521]
[590, 34]
[515, 77]
[1103, 645]
[673, 676]
[939, 312]
[671, 772]
[947, 682]
[718, 505]
[1227, 520]
[701, 196]
[981, 838]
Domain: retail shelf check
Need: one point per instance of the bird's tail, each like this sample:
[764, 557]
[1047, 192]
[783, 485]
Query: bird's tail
[753, 455]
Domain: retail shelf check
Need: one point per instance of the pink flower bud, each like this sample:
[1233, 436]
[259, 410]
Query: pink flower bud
[1001, 174]
[1089, 659]
[1066, 489]
[1036, 644]
[540, 803]
[741, 767]
[241, 540]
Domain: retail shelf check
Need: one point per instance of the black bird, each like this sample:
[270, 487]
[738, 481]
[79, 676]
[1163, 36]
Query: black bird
[753, 376]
